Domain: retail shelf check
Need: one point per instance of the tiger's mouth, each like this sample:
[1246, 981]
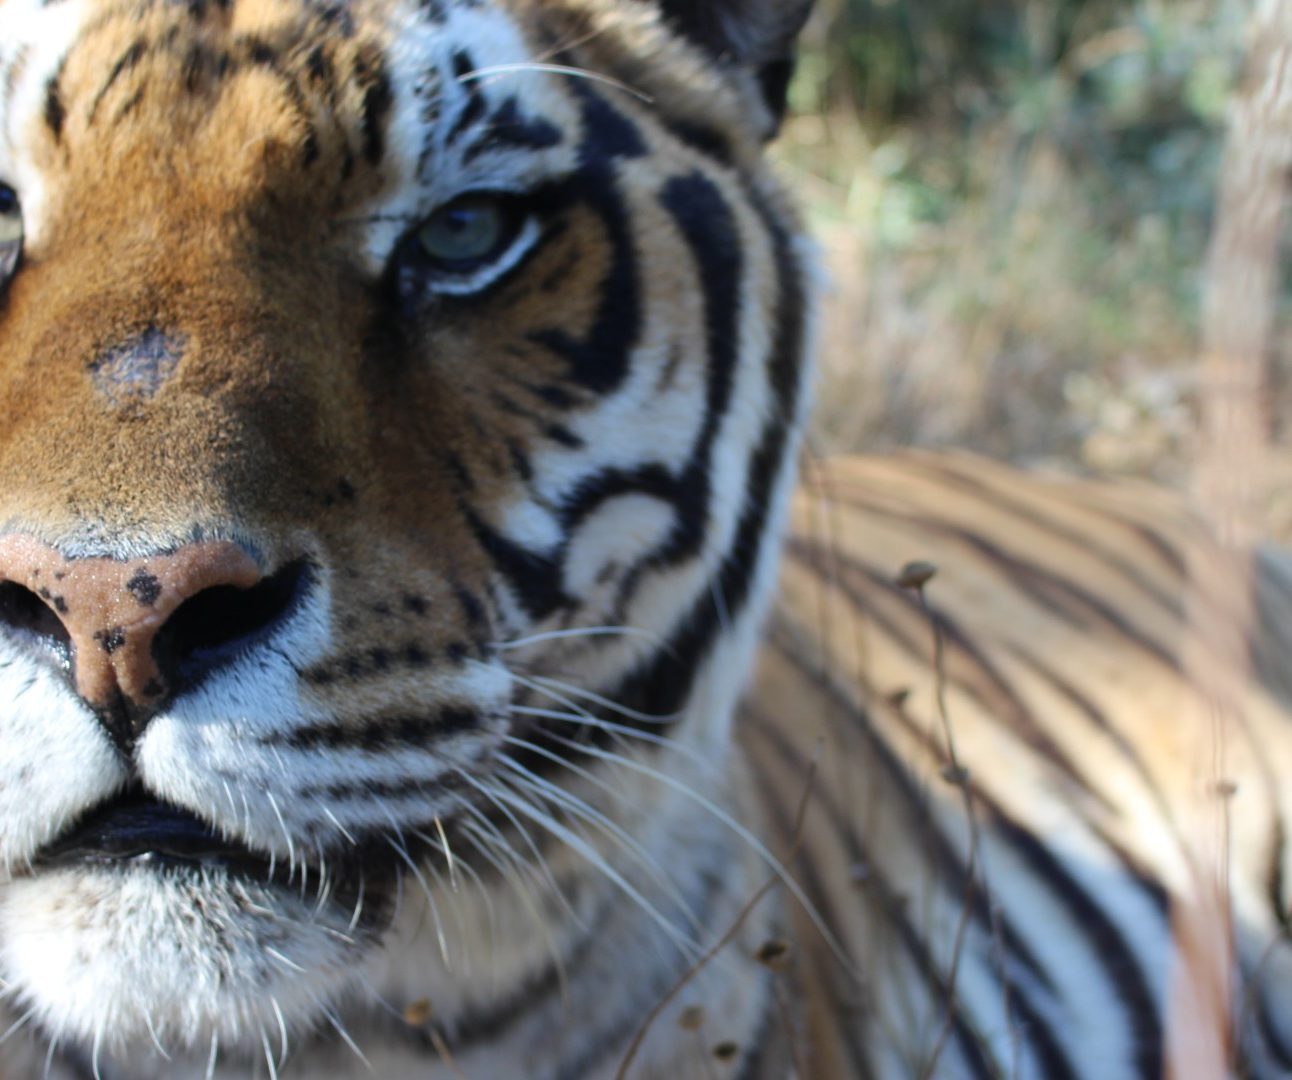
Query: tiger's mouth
[136, 828]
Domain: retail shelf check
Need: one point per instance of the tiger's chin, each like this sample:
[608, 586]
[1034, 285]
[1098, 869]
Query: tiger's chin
[144, 958]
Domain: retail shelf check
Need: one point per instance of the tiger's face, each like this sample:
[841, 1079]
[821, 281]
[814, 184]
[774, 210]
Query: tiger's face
[399, 401]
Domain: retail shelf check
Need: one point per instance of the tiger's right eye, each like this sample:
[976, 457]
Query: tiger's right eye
[11, 232]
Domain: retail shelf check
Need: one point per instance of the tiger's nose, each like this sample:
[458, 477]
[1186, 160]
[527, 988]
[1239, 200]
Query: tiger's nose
[133, 629]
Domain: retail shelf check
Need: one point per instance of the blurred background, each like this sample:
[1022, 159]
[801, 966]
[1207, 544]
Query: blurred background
[1015, 199]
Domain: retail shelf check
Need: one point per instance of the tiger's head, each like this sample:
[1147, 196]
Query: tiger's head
[400, 399]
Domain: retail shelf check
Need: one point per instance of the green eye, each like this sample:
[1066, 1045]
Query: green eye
[466, 246]
[467, 232]
[11, 232]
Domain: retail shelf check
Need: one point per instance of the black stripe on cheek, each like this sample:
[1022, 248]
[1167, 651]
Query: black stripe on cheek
[370, 790]
[534, 578]
[472, 609]
[55, 111]
[608, 134]
[384, 733]
[662, 687]
[703, 140]
[599, 363]
[709, 228]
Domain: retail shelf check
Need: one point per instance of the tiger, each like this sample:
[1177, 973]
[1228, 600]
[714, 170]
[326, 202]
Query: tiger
[416, 660]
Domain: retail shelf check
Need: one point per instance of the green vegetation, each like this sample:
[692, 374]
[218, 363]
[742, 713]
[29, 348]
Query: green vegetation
[1015, 199]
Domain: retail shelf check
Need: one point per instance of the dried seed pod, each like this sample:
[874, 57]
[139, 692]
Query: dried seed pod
[774, 954]
[917, 574]
[691, 1018]
[418, 1013]
[957, 775]
[726, 1051]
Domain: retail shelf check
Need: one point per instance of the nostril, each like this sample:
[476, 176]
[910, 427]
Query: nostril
[219, 624]
[30, 618]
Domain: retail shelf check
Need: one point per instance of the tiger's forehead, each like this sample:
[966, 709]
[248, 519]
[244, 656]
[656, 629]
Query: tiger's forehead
[431, 97]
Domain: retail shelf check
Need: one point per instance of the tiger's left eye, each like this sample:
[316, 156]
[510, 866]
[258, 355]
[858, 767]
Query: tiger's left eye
[467, 245]
[11, 232]
[469, 232]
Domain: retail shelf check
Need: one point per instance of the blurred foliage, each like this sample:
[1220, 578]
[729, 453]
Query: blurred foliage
[1016, 197]
[1122, 87]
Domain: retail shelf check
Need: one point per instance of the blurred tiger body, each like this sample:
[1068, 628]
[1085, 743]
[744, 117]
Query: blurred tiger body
[402, 403]
[1051, 836]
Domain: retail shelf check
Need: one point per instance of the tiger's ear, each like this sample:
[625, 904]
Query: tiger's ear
[755, 34]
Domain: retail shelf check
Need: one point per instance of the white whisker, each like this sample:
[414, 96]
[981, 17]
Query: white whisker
[586, 719]
[18, 1024]
[581, 847]
[339, 1028]
[282, 1030]
[269, 1056]
[721, 815]
[582, 809]
[557, 690]
[284, 960]
[408, 861]
[213, 1056]
[50, 1054]
[468, 870]
[555, 69]
[448, 852]
[582, 632]
[94, 1053]
[340, 828]
[516, 873]
[291, 847]
[152, 1034]
[358, 907]
[450, 896]
[539, 860]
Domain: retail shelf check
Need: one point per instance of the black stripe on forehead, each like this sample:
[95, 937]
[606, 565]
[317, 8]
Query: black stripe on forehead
[370, 74]
[474, 110]
[124, 64]
[437, 12]
[55, 110]
[507, 128]
[314, 60]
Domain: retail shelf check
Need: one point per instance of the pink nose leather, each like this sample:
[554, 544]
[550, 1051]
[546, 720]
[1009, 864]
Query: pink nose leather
[113, 610]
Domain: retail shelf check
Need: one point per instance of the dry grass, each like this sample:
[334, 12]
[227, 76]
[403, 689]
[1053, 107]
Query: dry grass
[1028, 282]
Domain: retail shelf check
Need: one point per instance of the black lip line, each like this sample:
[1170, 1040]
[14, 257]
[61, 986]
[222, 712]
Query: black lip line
[134, 827]
[121, 832]
[359, 883]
